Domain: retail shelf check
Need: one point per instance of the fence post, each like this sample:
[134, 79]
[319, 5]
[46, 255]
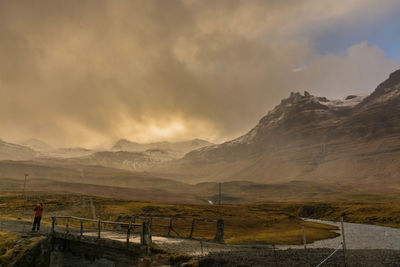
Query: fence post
[133, 227]
[66, 225]
[170, 227]
[128, 233]
[304, 237]
[53, 224]
[81, 227]
[98, 228]
[344, 240]
[219, 237]
[192, 229]
[145, 238]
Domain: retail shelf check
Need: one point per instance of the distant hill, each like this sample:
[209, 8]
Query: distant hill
[351, 141]
[45, 150]
[37, 145]
[100, 181]
[69, 152]
[179, 148]
[9, 151]
[133, 161]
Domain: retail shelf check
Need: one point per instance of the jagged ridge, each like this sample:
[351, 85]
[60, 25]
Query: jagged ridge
[310, 138]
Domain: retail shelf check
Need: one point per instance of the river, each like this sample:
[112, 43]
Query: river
[358, 236]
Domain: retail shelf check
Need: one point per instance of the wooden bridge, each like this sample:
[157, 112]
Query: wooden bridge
[146, 226]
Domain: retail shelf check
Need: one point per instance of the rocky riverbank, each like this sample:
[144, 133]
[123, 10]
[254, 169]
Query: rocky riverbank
[301, 257]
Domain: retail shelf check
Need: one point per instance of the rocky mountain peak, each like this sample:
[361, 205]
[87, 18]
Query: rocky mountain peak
[387, 91]
[298, 111]
[393, 80]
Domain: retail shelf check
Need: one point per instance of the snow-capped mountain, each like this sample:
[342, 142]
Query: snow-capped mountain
[132, 161]
[45, 150]
[305, 137]
[175, 148]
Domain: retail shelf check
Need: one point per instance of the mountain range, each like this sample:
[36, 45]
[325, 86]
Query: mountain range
[178, 148]
[124, 154]
[9, 151]
[351, 141]
[306, 147]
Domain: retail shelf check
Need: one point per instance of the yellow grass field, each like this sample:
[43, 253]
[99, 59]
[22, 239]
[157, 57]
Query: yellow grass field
[262, 223]
[243, 223]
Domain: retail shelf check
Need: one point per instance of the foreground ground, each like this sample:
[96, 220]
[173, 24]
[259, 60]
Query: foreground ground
[300, 257]
[13, 246]
[267, 223]
[244, 223]
[264, 224]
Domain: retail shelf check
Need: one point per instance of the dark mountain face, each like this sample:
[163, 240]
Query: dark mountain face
[379, 114]
[310, 138]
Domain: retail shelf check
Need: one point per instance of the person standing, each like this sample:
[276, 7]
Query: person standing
[38, 216]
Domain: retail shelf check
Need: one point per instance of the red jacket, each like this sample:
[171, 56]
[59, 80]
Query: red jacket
[38, 211]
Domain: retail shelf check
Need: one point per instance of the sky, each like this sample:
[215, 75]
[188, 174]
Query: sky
[87, 73]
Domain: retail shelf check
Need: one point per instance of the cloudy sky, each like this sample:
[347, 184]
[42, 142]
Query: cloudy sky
[86, 73]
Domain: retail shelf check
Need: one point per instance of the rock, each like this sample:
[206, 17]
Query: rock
[350, 97]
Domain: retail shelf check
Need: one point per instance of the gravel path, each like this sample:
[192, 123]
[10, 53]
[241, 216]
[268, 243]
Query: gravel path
[179, 245]
[301, 257]
[21, 227]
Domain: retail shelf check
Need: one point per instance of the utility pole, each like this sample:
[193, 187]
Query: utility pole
[219, 194]
[344, 241]
[23, 196]
[23, 190]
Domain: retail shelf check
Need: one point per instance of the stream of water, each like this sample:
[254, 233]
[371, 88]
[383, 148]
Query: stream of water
[358, 236]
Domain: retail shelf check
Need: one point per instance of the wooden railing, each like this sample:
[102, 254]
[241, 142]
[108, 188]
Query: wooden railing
[145, 226]
[171, 227]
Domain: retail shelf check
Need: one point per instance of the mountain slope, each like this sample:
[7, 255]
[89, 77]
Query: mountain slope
[178, 148]
[353, 141]
[132, 161]
[37, 145]
[11, 151]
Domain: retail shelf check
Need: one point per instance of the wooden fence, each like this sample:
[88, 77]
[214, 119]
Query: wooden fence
[146, 226]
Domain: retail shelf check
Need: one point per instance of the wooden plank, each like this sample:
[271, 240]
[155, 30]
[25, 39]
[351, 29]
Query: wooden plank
[53, 224]
[66, 225]
[192, 229]
[133, 223]
[161, 225]
[170, 227]
[128, 233]
[98, 228]
[344, 240]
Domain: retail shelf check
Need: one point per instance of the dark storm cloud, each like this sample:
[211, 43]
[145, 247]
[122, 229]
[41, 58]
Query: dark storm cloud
[90, 72]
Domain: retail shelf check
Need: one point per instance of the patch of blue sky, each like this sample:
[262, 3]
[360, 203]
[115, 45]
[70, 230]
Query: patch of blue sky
[335, 36]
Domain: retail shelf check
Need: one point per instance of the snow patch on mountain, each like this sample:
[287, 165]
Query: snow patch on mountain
[349, 101]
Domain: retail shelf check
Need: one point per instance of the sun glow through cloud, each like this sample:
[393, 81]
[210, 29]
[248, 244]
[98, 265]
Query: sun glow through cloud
[85, 73]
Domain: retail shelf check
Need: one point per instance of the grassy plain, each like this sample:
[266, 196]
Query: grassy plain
[13, 246]
[384, 213]
[7, 243]
[266, 223]
[243, 223]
